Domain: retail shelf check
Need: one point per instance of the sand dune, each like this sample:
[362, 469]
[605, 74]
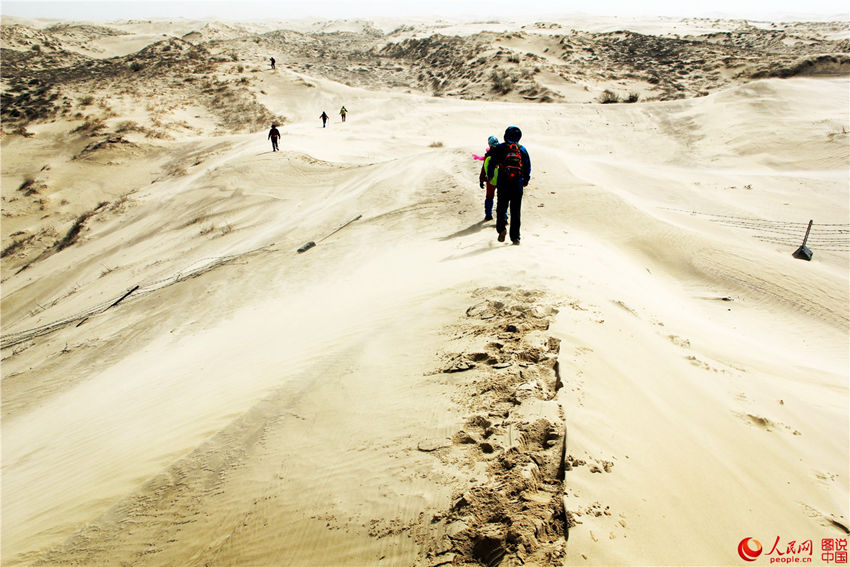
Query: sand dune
[648, 379]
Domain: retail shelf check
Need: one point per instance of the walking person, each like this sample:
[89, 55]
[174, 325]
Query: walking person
[274, 136]
[324, 117]
[514, 174]
[272, 61]
[342, 113]
[483, 178]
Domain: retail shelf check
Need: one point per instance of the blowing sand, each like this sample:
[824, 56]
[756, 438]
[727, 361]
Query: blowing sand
[650, 378]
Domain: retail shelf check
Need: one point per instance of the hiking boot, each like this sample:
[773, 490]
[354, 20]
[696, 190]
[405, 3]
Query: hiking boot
[502, 235]
[488, 217]
[515, 242]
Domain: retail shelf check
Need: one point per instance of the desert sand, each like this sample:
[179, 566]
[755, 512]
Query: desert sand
[648, 379]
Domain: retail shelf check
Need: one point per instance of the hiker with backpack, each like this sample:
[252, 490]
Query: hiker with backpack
[271, 59]
[514, 167]
[274, 136]
[324, 117]
[483, 178]
[342, 113]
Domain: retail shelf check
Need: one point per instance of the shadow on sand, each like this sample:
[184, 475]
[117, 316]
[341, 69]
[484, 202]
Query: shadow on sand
[470, 230]
[489, 247]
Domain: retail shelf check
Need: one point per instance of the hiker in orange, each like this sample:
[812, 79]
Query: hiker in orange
[324, 117]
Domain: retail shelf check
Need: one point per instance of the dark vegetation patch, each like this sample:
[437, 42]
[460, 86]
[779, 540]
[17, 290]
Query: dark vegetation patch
[40, 84]
[815, 65]
[71, 237]
[73, 233]
[15, 246]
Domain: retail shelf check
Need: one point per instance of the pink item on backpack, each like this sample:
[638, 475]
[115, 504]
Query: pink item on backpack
[480, 158]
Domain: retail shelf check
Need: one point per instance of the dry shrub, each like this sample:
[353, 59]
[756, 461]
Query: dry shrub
[127, 126]
[501, 81]
[158, 134]
[74, 232]
[608, 97]
[14, 246]
[91, 126]
[28, 186]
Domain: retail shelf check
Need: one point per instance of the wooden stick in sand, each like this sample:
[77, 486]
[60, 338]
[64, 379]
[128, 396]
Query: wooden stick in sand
[310, 244]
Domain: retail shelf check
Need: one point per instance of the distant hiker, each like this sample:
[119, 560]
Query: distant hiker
[272, 60]
[514, 174]
[324, 118]
[274, 136]
[342, 113]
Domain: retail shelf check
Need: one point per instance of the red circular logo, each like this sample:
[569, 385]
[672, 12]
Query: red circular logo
[749, 549]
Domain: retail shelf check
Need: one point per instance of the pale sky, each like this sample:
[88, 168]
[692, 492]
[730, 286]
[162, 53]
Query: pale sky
[475, 9]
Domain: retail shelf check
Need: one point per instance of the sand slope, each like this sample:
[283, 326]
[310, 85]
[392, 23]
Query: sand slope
[402, 392]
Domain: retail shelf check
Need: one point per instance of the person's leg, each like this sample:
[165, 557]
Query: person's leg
[488, 201]
[502, 202]
[516, 205]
